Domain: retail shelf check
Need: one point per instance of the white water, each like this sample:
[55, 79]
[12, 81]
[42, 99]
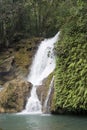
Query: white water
[43, 64]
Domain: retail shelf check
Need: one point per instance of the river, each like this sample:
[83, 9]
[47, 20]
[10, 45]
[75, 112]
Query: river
[42, 122]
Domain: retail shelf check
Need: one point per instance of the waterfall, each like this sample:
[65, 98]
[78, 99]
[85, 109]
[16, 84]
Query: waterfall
[43, 64]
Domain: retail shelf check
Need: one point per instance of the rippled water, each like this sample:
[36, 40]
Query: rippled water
[42, 122]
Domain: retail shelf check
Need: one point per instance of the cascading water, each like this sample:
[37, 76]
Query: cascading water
[43, 64]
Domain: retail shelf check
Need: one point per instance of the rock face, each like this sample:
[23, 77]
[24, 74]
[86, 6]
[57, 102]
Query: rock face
[49, 98]
[14, 95]
[7, 71]
[42, 91]
[15, 62]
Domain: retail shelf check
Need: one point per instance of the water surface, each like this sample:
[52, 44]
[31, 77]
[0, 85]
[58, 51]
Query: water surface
[42, 122]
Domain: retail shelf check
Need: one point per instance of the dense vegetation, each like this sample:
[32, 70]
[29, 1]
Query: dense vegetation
[26, 18]
[71, 70]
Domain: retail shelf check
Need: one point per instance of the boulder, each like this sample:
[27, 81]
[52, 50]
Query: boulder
[7, 69]
[42, 90]
[48, 102]
[14, 95]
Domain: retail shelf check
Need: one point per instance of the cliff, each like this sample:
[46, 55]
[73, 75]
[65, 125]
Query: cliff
[15, 62]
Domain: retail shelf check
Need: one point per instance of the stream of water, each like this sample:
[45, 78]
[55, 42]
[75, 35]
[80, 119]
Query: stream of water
[43, 64]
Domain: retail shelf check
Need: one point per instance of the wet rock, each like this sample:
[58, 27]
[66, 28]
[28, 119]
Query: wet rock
[48, 101]
[42, 90]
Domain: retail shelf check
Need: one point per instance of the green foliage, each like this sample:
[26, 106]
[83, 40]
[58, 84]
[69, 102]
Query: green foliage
[71, 69]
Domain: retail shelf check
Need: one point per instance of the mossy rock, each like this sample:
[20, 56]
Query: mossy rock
[23, 53]
[14, 95]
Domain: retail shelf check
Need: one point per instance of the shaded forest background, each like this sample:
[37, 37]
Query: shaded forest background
[27, 18]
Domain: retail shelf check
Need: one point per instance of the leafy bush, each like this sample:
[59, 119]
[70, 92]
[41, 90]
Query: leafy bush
[71, 69]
